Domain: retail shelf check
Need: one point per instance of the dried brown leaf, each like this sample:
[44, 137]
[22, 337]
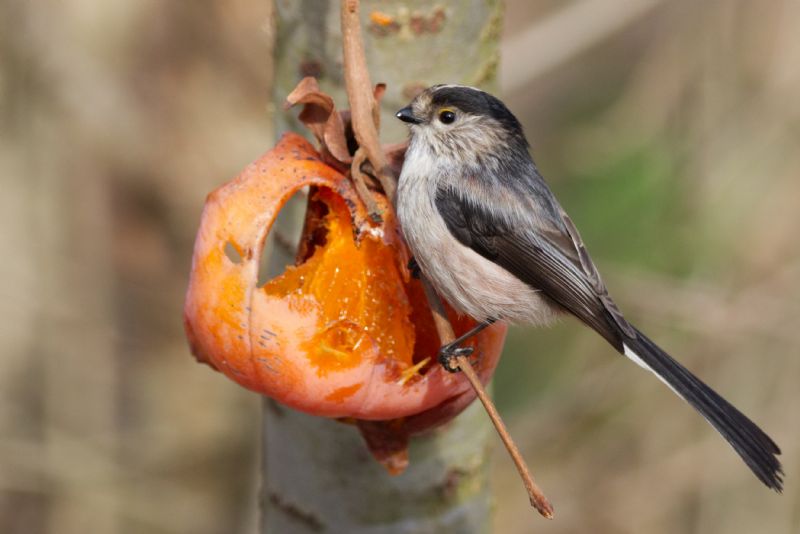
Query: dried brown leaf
[320, 116]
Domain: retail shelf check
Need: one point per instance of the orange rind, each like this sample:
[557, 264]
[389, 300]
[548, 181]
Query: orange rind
[344, 331]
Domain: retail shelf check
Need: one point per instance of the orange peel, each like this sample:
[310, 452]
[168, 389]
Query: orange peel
[340, 333]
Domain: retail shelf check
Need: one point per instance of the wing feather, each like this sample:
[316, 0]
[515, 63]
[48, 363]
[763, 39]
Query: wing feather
[545, 252]
[540, 245]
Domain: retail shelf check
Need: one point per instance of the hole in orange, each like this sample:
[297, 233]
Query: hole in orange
[280, 246]
[233, 253]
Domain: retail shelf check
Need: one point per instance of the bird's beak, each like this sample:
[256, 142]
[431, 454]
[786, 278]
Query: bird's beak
[406, 115]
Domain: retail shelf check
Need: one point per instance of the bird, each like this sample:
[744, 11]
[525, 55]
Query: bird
[486, 231]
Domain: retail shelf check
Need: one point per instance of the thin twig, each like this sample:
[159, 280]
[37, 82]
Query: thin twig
[363, 108]
[361, 186]
[364, 116]
[446, 335]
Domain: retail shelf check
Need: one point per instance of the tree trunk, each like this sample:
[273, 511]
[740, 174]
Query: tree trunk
[317, 473]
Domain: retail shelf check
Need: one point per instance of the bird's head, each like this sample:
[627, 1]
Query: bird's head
[461, 122]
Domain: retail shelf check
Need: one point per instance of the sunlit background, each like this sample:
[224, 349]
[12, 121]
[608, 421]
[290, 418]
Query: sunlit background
[669, 130]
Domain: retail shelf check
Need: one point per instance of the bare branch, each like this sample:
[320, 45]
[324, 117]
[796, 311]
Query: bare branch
[364, 117]
[446, 335]
[360, 93]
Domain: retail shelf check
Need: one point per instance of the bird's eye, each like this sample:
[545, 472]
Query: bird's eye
[446, 116]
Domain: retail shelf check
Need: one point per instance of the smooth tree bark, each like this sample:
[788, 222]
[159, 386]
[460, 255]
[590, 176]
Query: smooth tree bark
[318, 475]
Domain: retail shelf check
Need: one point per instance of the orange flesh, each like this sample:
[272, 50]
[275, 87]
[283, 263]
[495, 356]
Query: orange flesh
[357, 291]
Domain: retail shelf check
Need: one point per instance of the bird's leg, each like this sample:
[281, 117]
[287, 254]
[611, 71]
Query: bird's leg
[448, 353]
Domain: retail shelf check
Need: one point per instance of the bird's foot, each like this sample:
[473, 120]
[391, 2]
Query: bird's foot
[448, 355]
[413, 267]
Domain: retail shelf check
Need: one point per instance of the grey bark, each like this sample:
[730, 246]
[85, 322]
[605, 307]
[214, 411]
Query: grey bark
[317, 473]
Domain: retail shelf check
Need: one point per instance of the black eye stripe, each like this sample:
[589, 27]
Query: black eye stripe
[475, 102]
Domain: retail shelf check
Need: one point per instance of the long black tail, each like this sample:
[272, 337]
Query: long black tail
[751, 443]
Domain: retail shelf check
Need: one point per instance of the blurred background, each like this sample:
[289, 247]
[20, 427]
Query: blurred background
[669, 130]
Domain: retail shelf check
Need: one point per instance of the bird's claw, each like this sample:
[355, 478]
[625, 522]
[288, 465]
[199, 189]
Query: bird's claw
[413, 268]
[448, 355]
